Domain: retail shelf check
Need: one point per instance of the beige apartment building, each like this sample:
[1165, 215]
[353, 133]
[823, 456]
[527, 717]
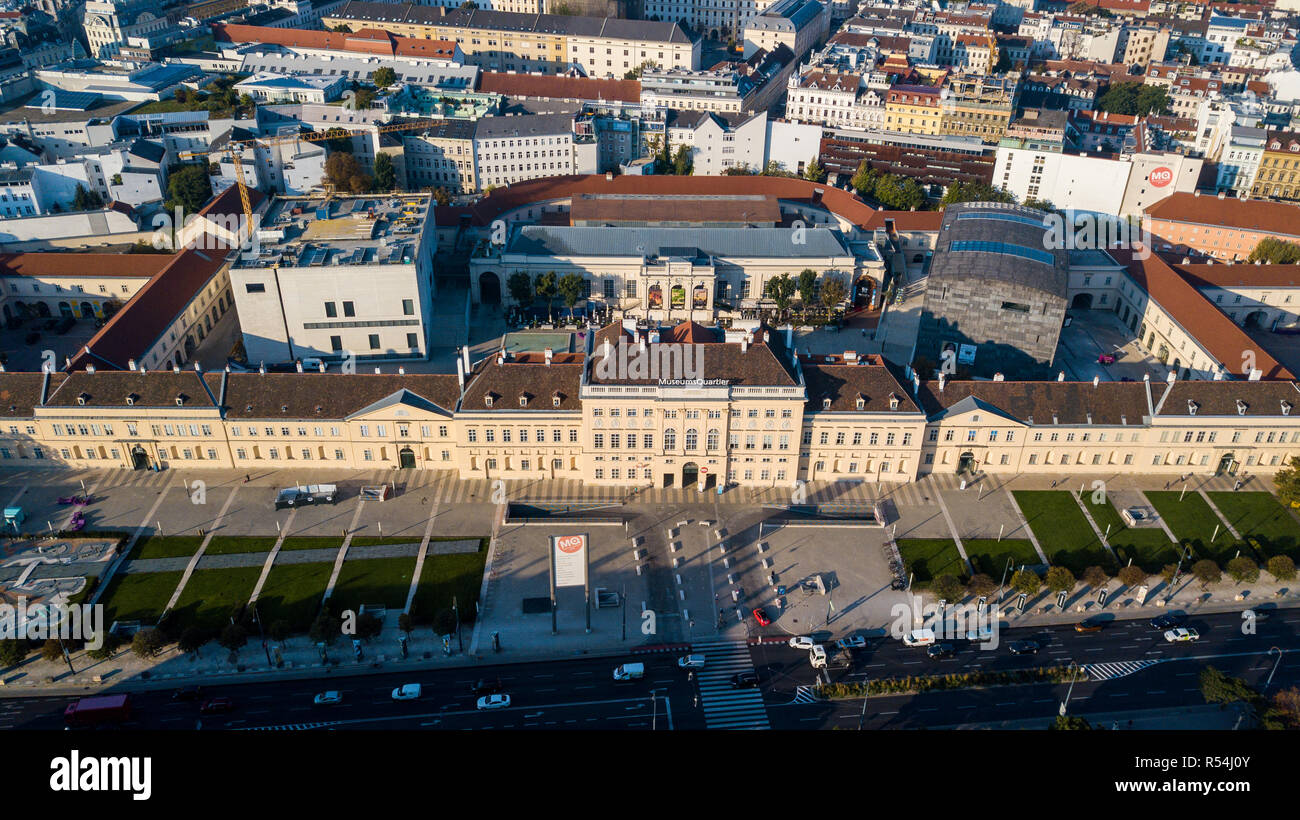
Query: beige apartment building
[750, 414]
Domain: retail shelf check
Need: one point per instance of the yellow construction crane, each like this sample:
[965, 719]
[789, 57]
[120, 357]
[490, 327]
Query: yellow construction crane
[236, 148]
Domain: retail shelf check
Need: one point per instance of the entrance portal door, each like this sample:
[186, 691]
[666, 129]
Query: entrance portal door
[966, 462]
[1227, 465]
[690, 474]
[139, 459]
[406, 457]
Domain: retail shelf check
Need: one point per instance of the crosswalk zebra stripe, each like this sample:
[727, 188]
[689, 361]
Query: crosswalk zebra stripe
[1112, 671]
[724, 706]
[804, 694]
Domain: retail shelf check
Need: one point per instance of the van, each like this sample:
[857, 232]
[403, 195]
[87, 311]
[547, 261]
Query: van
[817, 656]
[919, 637]
[629, 671]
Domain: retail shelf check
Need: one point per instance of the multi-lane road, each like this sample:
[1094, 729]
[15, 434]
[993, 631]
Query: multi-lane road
[1130, 666]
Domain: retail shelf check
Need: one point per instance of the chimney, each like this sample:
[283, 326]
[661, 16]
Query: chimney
[90, 368]
[1196, 193]
[377, 371]
[744, 344]
[1146, 377]
[1172, 377]
[401, 370]
[321, 367]
[198, 368]
[998, 377]
[609, 176]
[176, 368]
[550, 354]
[460, 374]
[1060, 377]
[916, 383]
[130, 364]
[1223, 195]
[789, 337]
[261, 368]
[298, 364]
[942, 380]
[464, 353]
[1096, 380]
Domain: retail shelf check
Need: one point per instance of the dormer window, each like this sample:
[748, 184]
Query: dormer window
[523, 401]
[130, 400]
[487, 400]
[1191, 407]
[826, 404]
[284, 408]
[318, 409]
[555, 400]
[81, 399]
[1241, 407]
[1286, 407]
[180, 399]
[861, 402]
[893, 402]
[248, 408]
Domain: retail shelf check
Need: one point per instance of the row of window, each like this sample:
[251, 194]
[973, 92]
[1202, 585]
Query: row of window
[489, 436]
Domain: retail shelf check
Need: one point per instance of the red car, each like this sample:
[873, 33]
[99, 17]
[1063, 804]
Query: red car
[761, 617]
[216, 706]
[1106, 358]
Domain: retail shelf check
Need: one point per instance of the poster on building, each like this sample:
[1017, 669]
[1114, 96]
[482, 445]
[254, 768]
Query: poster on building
[700, 298]
[656, 297]
[678, 296]
[570, 555]
[966, 354]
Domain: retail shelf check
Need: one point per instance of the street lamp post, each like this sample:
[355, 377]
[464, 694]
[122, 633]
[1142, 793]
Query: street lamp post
[863, 717]
[1280, 653]
[1178, 571]
[1072, 669]
[1003, 582]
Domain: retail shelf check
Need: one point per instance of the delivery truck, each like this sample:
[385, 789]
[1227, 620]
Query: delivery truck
[98, 710]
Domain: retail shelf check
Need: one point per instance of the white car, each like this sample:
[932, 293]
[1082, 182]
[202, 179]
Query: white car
[408, 691]
[331, 698]
[851, 642]
[690, 662]
[312, 365]
[981, 635]
[494, 702]
[1182, 635]
[802, 642]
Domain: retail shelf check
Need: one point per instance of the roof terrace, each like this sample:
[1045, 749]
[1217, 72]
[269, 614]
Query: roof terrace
[301, 232]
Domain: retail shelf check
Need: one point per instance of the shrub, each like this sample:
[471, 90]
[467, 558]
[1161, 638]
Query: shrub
[1207, 572]
[1060, 579]
[1281, 567]
[981, 584]
[947, 587]
[1026, 581]
[1095, 577]
[148, 643]
[1132, 576]
[1243, 570]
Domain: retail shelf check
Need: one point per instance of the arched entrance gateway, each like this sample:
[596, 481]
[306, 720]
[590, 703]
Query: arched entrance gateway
[489, 288]
[1082, 301]
[690, 474]
[966, 462]
[87, 310]
[139, 458]
[1227, 465]
[406, 457]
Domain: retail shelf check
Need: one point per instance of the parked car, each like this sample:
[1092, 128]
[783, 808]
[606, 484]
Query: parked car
[852, 642]
[981, 635]
[312, 364]
[690, 662]
[330, 698]
[919, 637]
[1023, 647]
[1182, 635]
[216, 706]
[1105, 358]
[494, 702]
[802, 642]
[1168, 620]
[486, 687]
[744, 680]
[303, 496]
[407, 691]
[1093, 624]
[761, 617]
[941, 650]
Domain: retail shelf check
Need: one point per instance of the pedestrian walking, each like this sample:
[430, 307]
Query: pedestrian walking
[246, 477]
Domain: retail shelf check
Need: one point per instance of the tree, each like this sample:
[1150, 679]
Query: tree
[189, 188]
[147, 643]
[181, 95]
[84, 200]
[1274, 251]
[546, 288]
[864, 180]
[1060, 579]
[807, 286]
[1095, 577]
[635, 74]
[520, 287]
[1217, 687]
[233, 637]
[1281, 567]
[683, 161]
[385, 174]
[12, 651]
[1283, 710]
[368, 626]
[975, 192]
[1134, 98]
[813, 171]
[1132, 576]
[341, 28]
[1026, 581]
[899, 193]
[1207, 572]
[191, 640]
[1287, 481]
[343, 171]
[324, 629]
[779, 289]
[1039, 204]
[405, 623]
[1070, 723]
[833, 291]
[384, 77]
[107, 649]
[1243, 570]
[52, 650]
[947, 587]
[280, 630]
[444, 623]
[981, 585]
[441, 197]
[570, 288]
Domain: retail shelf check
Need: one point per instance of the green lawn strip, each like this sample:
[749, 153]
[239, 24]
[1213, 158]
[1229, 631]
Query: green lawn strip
[175, 546]
[990, 555]
[373, 581]
[1149, 547]
[1062, 530]
[211, 595]
[312, 542]
[1192, 520]
[293, 593]
[445, 576]
[139, 596]
[230, 545]
[372, 540]
[1261, 516]
[928, 558]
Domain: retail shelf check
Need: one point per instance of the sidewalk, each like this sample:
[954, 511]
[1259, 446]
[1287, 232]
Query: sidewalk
[1183, 718]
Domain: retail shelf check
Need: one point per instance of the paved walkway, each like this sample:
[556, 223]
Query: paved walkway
[1195, 718]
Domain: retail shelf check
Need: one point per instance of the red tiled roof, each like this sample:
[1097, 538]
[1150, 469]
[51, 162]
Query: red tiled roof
[83, 264]
[840, 202]
[1218, 334]
[362, 41]
[1267, 276]
[1247, 214]
[562, 88]
[691, 333]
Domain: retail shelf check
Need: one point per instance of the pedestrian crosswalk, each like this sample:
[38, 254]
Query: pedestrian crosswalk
[726, 707]
[805, 694]
[290, 727]
[1121, 669]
